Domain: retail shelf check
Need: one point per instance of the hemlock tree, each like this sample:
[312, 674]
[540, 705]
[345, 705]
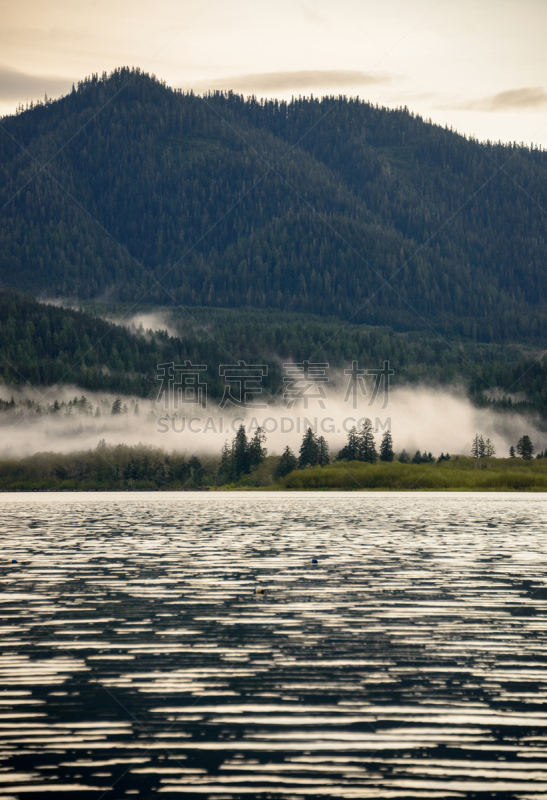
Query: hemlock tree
[287, 463]
[309, 450]
[386, 447]
[367, 446]
[525, 448]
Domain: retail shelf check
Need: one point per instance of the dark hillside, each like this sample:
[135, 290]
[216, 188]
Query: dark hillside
[209, 197]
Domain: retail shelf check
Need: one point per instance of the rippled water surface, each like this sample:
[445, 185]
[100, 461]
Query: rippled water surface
[409, 662]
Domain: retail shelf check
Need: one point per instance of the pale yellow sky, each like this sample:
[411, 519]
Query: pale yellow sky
[478, 65]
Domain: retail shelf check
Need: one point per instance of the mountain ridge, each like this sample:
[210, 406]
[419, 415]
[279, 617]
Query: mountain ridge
[367, 213]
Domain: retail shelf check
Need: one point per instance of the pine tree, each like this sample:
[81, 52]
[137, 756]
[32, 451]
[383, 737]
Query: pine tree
[417, 458]
[512, 452]
[309, 450]
[287, 463]
[117, 406]
[489, 449]
[386, 447]
[404, 458]
[367, 446]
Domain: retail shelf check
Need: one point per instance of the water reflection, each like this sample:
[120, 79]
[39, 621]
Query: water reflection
[409, 662]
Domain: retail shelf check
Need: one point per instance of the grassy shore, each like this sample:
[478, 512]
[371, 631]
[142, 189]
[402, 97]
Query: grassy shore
[144, 468]
[461, 474]
[458, 474]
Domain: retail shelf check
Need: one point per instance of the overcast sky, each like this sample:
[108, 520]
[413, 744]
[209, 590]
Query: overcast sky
[478, 65]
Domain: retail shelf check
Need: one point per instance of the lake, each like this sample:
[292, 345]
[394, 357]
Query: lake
[409, 662]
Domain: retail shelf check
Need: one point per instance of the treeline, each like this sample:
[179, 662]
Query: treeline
[387, 224]
[107, 467]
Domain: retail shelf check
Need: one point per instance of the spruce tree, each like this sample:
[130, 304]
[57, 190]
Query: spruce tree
[386, 447]
[417, 458]
[404, 458]
[117, 406]
[512, 452]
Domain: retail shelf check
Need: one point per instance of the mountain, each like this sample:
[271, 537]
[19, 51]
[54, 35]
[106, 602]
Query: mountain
[130, 191]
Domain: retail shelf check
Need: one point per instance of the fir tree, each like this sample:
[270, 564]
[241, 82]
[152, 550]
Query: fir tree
[417, 458]
[116, 406]
[404, 458]
[512, 452]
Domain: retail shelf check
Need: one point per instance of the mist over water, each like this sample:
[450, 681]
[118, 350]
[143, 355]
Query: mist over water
[436, 420]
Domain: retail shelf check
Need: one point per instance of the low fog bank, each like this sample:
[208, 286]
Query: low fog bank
[419, 418]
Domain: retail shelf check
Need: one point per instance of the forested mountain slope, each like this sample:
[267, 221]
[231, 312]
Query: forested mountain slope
[41, 345]
[329, 206]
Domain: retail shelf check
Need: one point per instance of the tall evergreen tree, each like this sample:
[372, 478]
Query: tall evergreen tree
[350, 451]
[525, 448]
[286, 464]
[366, 443]
[323, 457]
[116, 406]
[309, 450]
[386, 447]
[257, 451]
[241, 458]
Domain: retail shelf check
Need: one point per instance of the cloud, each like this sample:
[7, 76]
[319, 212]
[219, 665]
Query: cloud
[511, 100]
[298, 80]
[15, 85]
